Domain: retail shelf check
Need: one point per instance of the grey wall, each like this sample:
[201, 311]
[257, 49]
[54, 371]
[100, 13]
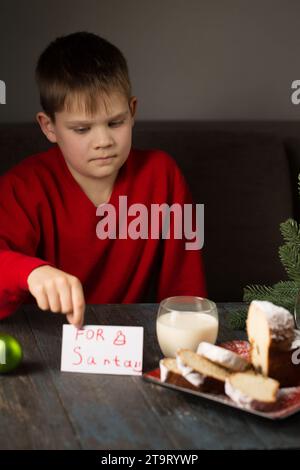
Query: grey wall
[188, 59]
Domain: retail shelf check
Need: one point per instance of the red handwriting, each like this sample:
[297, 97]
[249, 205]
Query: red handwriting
[90, 334]
[90, 359]
[80, 356]
[120, 339]
[81, 359]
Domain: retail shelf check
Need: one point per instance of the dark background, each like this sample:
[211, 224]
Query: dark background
[188, 60]
[213, 81]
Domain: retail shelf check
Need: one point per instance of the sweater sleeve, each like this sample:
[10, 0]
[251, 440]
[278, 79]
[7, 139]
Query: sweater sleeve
[19, 238]
[182, 271]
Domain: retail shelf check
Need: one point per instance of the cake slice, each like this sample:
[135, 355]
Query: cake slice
[223, 357]
[271, 334]
[170, 373]
[190, 362]
[252, 390]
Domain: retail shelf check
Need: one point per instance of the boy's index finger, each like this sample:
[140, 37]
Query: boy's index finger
[78, 305]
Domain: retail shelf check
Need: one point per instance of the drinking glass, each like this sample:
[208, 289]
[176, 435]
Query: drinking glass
[184, 322]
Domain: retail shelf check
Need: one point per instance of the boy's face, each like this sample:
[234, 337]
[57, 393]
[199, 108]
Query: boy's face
[87, 142]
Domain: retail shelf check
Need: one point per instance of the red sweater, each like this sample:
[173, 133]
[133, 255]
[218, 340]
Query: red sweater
[46, 218]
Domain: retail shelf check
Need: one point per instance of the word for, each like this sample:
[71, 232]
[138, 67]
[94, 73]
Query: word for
[98, 335]
[2, 92]
[151, 459]
[139, 226]
[95, 361]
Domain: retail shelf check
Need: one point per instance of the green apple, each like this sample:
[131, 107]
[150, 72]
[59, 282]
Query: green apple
[10, 353]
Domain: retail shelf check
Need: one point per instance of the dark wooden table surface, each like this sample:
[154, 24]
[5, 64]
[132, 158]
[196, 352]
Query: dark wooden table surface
[44, 408]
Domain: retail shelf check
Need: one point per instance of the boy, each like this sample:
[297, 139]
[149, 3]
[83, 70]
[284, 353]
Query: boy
[49, 249]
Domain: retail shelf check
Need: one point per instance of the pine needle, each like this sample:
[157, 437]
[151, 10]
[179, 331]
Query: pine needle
[237, 318]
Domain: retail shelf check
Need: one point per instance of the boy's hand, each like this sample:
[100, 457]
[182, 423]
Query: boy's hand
[59, 292]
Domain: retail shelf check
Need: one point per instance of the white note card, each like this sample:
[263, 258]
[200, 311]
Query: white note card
[102, 349]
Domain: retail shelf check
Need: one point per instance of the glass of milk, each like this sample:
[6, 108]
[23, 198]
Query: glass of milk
[185, 321]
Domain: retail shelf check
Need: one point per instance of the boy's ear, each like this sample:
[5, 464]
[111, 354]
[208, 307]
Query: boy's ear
[47, 126]
[133, 105]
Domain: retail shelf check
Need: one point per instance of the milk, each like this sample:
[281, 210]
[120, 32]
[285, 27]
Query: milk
[185, 330]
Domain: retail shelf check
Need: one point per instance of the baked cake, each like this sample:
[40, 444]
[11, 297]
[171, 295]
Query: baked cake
[252, 390]
[271, 334]
[170, 373]
[223, 357]
[213, 376]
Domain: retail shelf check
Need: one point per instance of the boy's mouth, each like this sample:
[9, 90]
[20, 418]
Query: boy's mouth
[103, 158]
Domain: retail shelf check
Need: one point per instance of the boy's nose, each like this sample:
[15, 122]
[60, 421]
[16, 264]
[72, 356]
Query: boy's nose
[102, 139]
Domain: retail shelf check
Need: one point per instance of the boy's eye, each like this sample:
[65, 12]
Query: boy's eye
[116, 123]
[81, 130]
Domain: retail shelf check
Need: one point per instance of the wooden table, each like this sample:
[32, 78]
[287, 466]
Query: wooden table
[43, 408]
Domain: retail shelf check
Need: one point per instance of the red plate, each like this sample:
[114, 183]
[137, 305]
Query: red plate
[288, 402]
[239, 347]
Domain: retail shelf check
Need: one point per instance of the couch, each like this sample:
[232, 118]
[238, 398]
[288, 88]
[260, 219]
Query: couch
[245, 174]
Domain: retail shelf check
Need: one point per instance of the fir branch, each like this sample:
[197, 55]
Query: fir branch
[289, 255]
[257, 292]
[237, 318]
[285, 294]
[290, 232]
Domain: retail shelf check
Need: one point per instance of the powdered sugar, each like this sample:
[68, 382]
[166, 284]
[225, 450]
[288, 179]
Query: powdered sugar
[296, 341]
[280, 320]
[164, 371]
[222, 356]
[244, 400]
[195, 378]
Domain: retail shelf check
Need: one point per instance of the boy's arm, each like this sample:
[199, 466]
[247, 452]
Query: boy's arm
[19, 238]
[182, 271]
